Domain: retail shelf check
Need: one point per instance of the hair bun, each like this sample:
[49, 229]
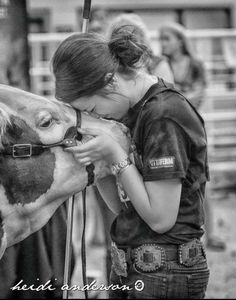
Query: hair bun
[125, 47]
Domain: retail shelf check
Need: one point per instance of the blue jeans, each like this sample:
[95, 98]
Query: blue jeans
[173, 281]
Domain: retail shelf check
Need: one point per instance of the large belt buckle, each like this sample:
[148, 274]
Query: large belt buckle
[119, 263]
[149, 257]
[189, 253]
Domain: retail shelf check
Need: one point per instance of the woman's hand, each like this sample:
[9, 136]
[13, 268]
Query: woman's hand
[102, 147]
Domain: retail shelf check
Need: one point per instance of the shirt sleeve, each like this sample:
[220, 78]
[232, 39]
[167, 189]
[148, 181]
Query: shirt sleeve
[165, 151]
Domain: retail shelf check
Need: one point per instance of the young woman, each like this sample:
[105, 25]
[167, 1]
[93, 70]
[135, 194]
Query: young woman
[156, 235]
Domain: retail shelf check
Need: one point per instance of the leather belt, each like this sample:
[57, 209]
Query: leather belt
[170, 254]
[150, 257]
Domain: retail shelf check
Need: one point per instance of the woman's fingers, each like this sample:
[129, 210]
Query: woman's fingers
[100, 147]
[77, 152]
[85, 161]
[83, 158]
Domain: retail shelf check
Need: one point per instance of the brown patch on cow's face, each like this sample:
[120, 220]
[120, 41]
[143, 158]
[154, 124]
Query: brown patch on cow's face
[25, 179]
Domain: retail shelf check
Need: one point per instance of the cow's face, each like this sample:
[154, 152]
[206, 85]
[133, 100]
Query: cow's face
[29, 119]
[32, 188]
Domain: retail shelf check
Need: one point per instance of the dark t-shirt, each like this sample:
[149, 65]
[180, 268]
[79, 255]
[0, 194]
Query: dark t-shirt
[171, 143]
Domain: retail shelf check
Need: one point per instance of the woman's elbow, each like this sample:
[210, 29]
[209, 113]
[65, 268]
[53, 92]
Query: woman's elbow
[162, 227]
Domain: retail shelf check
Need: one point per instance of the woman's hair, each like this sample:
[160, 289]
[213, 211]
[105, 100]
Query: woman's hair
[135, 23]
[132, 20]
[84, 63]
[180, 32]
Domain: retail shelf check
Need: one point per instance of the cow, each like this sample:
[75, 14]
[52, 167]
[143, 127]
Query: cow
[36, 174]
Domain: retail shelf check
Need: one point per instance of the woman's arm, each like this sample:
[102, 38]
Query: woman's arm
[157, 202]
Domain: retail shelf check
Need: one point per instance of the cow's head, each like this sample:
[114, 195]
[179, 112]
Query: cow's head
[31, 188]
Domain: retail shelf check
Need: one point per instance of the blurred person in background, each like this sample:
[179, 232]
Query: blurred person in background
[189, 72]
[155, 65]
[99, 20]
[159, 215]
[190, 79]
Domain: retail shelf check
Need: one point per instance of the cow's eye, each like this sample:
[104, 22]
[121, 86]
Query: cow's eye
[46, 123]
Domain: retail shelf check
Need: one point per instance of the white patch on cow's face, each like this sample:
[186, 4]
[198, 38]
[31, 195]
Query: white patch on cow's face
[50, 119]
[6, 208]
[69, 176]
[3, 245]
[51, 127]
[4, 121]
[15, 221]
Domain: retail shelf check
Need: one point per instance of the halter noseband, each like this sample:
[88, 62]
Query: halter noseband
[28, 150]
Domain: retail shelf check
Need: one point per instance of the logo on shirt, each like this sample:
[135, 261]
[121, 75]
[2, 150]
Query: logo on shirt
[163, 162]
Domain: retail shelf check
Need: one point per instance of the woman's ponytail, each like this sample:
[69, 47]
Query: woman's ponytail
[126, 49]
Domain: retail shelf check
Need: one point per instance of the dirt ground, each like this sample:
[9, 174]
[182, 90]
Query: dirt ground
[222, 283]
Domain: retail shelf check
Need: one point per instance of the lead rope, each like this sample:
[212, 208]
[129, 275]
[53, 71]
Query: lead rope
[68, 253]
[83, 245]
[67, 268]
[90, 170]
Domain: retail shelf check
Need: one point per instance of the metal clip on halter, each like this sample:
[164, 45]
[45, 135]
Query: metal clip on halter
[21, 150]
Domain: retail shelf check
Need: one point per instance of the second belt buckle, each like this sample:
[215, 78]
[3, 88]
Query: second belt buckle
[119, 263]
[149, 257]
[190, 253]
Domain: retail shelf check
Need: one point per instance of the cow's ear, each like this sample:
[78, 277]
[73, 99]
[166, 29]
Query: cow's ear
[4, 121]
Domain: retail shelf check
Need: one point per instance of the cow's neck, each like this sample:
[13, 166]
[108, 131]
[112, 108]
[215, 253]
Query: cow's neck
[25, 179]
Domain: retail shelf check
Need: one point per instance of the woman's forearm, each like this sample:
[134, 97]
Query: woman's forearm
[133, 185]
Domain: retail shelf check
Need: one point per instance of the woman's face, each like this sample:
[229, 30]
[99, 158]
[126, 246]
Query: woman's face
[113, 106]
[170, 43]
